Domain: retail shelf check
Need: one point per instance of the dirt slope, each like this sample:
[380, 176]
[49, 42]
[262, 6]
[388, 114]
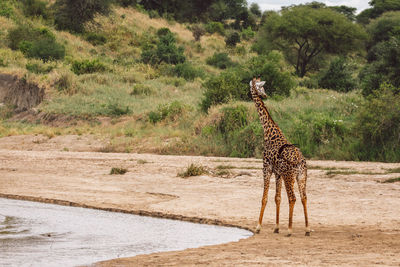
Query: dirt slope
[355, 219]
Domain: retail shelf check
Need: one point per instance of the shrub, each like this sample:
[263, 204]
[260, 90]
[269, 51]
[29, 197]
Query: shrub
[96, 38]
[39, 68]
[6, 9]
[141, 89]
[234, 118]
[215, 27]
[220, 60]
[193, 170]
[171, 112]
[72, 15]
[66, 83]
[188, 71]
[35, 8]
[118, 171]
[126, 3]
[115, 110]
[198, 31]
[248, 33]
[232, 39]
[338, 77]
[165, 50]
[36, 43]
[378, 124]
[220, 89]
[87, 66]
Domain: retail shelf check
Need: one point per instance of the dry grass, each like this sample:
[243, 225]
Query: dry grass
[193, 170]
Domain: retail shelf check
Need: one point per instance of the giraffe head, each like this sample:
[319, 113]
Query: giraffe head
[258, 85]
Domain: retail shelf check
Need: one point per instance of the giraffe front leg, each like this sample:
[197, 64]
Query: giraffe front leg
[267, 175]
[278, 181]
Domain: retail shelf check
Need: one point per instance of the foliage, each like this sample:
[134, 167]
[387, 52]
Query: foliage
[383, 53]
[96, 38]
[198, 31]
[349, 12]
[215, 27]
[303, 33]
[187, 71]
[234, 83]
[378, 8]
[6, 9]
[72, 15]
[232, 39]
[170, 112]
[87, 66]
[255, 9]
[248, 33]
[141, 89]
[378, 124]
[39, 68]
[35, 8]
[222, 88]
[126, 3]
[338, 77]
[36, 43]
[220, 60]
[165, 50]
[193, 170]
[278, 81]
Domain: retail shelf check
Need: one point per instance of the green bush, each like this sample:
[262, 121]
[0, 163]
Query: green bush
[338, 77]
[222, 88]
[126, 3]
[248, 33]
[141, 89]
[215, 27]
[116, 110]
[72, 15]
[87, 66]
[378, 125]
[36, 43]
[96, 38]
[165, 50]
[188, 71]
[6, 9]
[248, 141]
[39, 68]
[35, 8]
[220, 60]
[232, 39]
[170, 112]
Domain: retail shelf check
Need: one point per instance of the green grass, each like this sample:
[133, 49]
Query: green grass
[394, 170]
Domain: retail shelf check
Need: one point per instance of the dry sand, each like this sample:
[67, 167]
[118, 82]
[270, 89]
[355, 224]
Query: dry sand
[355, 219]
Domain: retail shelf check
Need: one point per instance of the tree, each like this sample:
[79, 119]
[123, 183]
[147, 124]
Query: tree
[378, 8]
[255, 9]
[198, 31]
[303, 33]
[349, 12]
[383, 53]
[71, 15]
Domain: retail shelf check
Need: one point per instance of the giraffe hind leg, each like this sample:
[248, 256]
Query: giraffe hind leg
[302, 181]
[289, 185]
[278, 180]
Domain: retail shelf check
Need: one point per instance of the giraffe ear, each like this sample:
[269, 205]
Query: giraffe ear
[260, 84]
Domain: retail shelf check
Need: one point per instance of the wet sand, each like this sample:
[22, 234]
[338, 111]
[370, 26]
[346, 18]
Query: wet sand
[355, 219]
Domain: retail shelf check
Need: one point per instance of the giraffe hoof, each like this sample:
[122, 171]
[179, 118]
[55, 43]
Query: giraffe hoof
[308, 233]
[258, 231]
[276, 231]
[289, 235]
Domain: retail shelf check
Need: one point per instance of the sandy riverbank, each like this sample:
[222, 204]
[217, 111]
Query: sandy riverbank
[354, 218]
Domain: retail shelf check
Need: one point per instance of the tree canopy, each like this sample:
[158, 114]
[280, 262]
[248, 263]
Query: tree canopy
[304, 32]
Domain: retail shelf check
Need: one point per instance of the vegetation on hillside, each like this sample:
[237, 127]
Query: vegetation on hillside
[173, 76]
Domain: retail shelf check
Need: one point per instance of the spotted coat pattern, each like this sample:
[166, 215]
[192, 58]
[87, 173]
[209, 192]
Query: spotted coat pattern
[282, 159]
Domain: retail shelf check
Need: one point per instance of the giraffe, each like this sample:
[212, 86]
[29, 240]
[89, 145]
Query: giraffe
[281, 158]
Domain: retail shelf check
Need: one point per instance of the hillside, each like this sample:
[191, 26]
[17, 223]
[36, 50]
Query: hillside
[109, 83]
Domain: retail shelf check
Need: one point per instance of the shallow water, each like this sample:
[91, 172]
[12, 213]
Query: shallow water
[37, 234]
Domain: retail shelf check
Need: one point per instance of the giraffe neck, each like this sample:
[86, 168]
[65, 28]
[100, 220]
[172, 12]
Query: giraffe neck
[271, 129]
